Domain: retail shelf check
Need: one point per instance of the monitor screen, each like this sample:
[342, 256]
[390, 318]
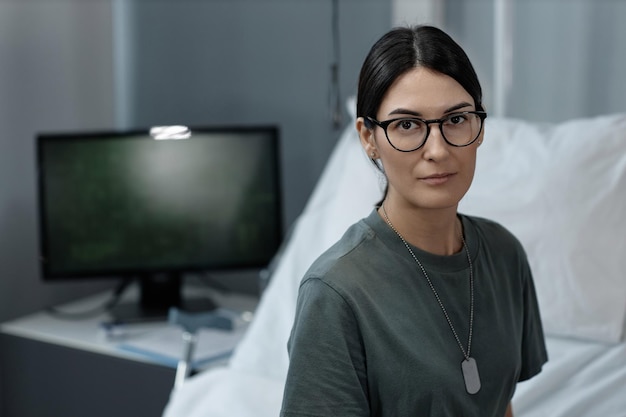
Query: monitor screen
[124, 204]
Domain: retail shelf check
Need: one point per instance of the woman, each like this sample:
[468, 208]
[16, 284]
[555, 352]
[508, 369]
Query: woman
[418, 310]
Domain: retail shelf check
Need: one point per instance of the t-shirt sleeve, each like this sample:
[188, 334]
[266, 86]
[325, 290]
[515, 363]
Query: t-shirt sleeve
[534, 353]
[327, 374]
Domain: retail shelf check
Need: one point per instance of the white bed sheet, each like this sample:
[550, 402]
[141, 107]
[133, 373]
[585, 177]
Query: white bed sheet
[226, 392]
[581, 379]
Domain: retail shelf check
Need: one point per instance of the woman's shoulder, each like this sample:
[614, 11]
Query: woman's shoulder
[345, 249]
[494, 235]
[489, 227]
[483, 222]
[345, 257]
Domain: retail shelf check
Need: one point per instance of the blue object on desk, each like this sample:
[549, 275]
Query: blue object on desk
[191, 322]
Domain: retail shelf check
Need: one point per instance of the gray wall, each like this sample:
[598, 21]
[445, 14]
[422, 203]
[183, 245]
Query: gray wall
[55, 74]
[82, 65]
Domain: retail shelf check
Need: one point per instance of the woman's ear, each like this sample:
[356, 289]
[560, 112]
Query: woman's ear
[366, 135]
[481, 136]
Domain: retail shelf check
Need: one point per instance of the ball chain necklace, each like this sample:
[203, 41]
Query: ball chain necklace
[469, 367]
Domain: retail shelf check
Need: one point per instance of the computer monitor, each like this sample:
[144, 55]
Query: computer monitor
[156, 204]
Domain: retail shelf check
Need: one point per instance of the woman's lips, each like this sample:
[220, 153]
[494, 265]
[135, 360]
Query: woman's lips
[437, 179]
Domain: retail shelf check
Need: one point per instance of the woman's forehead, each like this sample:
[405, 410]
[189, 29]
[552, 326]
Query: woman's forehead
[424, 92]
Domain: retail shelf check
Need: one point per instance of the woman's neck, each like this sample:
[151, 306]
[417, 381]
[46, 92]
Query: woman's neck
[434, 231]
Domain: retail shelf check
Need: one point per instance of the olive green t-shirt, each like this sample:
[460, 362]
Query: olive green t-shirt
[370, 338]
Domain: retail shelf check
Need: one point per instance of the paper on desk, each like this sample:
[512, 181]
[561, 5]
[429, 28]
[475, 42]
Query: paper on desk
[165, 345]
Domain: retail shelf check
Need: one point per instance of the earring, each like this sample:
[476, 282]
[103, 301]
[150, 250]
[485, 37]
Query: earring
[373, 155]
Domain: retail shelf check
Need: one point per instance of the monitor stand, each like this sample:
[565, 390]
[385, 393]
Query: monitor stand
[158, 293]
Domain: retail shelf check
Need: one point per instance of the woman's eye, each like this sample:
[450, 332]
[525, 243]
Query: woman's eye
[407, 124]
[456, 119]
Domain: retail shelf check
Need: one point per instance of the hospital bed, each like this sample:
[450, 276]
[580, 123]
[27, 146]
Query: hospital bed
[561, 188]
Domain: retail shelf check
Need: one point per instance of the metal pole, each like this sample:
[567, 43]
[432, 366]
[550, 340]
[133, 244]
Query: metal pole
[503, 55]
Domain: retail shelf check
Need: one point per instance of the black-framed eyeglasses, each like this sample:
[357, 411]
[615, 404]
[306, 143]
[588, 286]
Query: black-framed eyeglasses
[408, 134]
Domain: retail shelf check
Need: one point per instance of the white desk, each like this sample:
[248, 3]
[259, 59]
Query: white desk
[58, 367]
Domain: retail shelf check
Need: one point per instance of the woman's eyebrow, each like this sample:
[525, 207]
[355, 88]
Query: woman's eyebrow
[405, 111]
[418, 114]
[458, 107]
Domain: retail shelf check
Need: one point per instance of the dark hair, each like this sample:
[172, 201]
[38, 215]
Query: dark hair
[403, 49]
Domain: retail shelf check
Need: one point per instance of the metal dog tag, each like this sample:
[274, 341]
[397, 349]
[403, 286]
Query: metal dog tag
[470, 375]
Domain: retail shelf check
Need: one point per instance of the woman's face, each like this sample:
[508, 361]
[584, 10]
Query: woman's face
[437, 175]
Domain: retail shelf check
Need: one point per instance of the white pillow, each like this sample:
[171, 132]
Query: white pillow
[561, 189]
